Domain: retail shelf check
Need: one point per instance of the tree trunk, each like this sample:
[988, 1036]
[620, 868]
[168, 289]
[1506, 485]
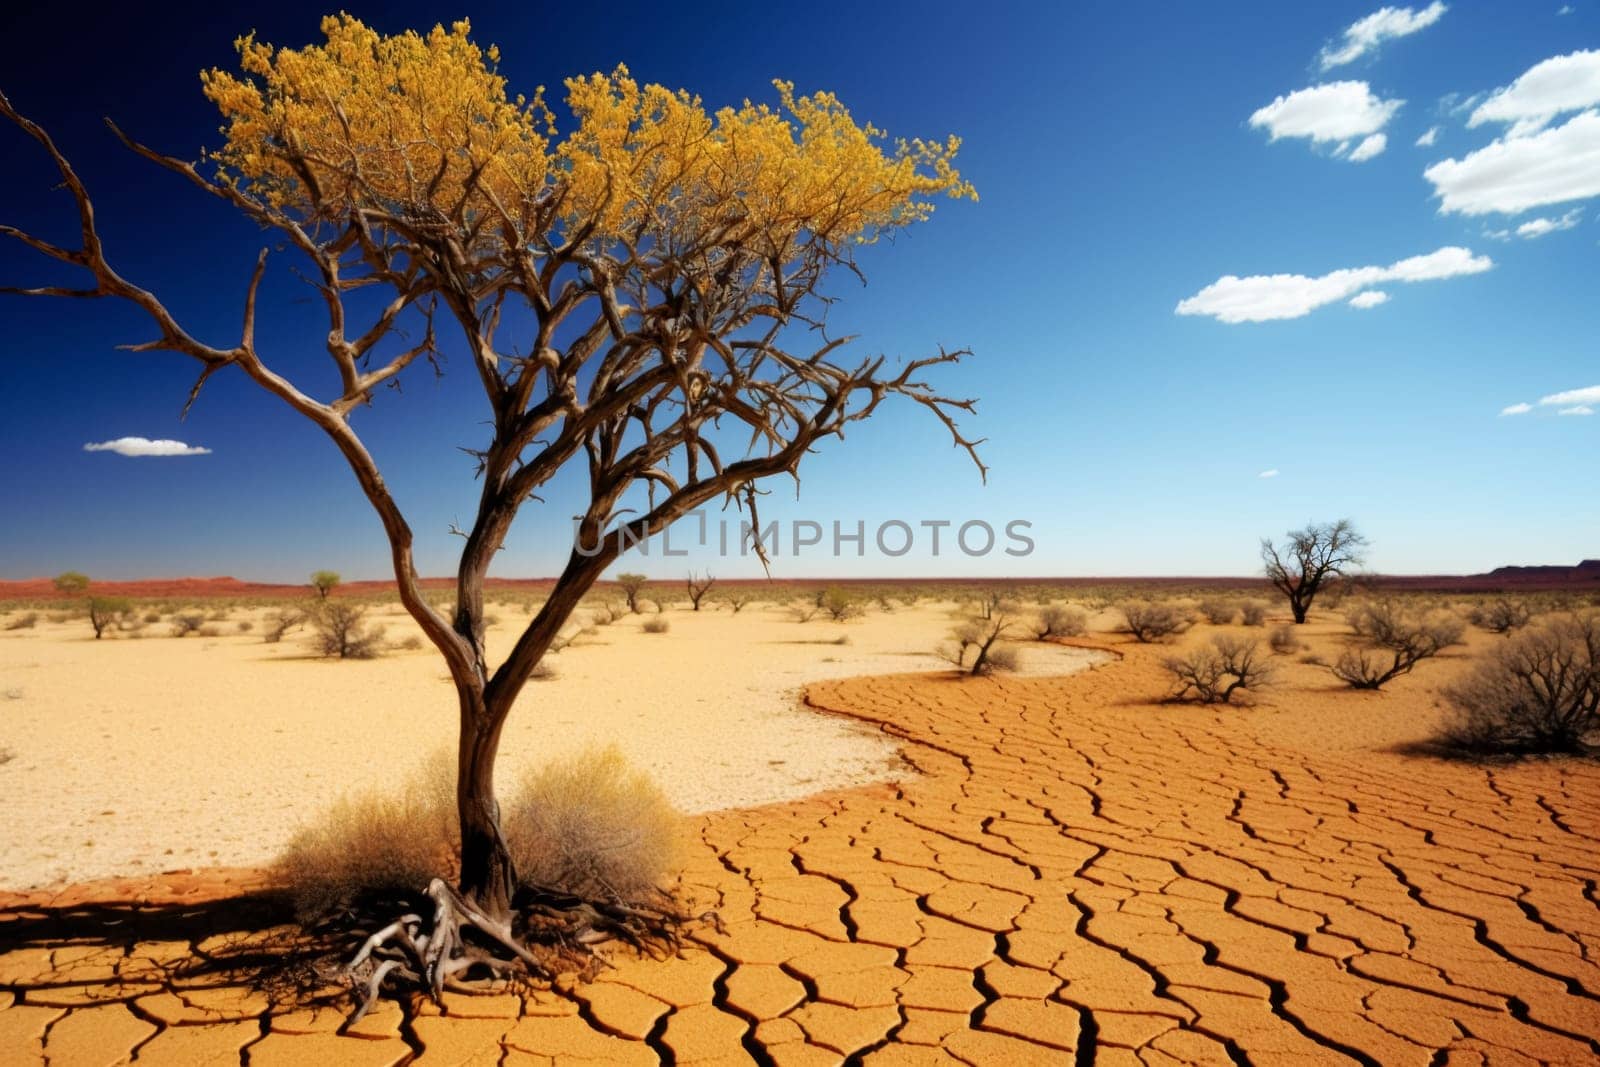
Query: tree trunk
[1299, 610]
[488, 877]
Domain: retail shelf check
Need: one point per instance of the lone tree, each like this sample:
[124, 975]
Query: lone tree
[70, 583]
[1309, 559]
[106, 612]
[324, 582]
[631, 586]
[698, 587]
[642, 296]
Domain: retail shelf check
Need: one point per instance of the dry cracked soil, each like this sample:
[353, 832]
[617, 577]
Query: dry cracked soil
[1073, 877]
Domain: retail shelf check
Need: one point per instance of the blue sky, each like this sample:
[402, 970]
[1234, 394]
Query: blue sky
[1253, 165]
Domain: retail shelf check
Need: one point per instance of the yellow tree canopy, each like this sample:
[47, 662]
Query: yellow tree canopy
[420, 126]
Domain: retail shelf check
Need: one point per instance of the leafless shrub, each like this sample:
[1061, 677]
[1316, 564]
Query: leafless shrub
[281, 622]
[188, 623]
[803, 612]
[698, 587]
[994, 601]
[26, 621]
[1218, 612]
[341, 630]
[838, 604]
[374, 844]
[656, 625]
[885, 604]
[409, 644]
[981, 638]
[593, 827]
[737, 600]
[1215, 672]
[1150, 621]
[1538, 693]
[1500, 616]
[1057, 621]
[1397, 641]
[1283, 640]
[1253, 613]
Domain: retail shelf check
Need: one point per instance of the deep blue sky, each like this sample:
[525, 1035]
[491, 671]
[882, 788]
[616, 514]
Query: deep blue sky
[1120, 173]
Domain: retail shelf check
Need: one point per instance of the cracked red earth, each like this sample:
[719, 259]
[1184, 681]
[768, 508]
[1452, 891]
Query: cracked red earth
[1072, 877]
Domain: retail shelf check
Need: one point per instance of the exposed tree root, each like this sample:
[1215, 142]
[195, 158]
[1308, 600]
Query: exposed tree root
[463, 949]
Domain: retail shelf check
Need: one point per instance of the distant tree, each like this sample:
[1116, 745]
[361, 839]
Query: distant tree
[71, 583]
[105, 612]
[324, 582]
[1311, 558]
[664, 266]
[632, 584]
[981, 636]
[699, 587]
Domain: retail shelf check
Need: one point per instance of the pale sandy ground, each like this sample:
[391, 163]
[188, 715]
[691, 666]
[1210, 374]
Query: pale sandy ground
[141, 755]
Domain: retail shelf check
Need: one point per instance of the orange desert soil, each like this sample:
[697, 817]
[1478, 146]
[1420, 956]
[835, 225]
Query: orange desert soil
[1076, 875]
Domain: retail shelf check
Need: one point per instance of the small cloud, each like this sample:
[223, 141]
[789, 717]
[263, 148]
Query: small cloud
[1543, 91]
[1385, 24]
[1579, 409]
[1273, 473]
[1370, 147]
[1540, 226]
[1336, 111]
[1264, 297]
[1516, 409]
[1428, 138]
[1564, 9]
[1589, 395]
[1369, 299]
[143, 446]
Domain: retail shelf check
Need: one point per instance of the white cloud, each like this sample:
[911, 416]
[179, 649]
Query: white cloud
[1265, 297]
[1589, 395]
[1427, 139]
[1386, 23]
[1273, 473]
[1369, 299]
[1546, 89]
[1336, 111]
[1516, 409]
[143, 446]
[1580, 409]
[1514, 174]
[1540, 226]
[1369, 147]
[1564, 9]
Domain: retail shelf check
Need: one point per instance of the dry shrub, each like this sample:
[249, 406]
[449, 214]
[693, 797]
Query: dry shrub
[23, 622]
[1539, 693]
[409, 644]
[245, 626]
[1215, 672]
[982, 638]
[1150, 621]
[803, 612]
[838, 604]
[1253, 613]
[183, 625]
[592, 826]
[1500, 616]
[342, 631]
[1283, 640]
[1218, 612]
[656, 625]
[605, 615]
[209, 631]
[374, 844]
[153, 616]
[281, 622]
[1397, 640]
[1057, 621]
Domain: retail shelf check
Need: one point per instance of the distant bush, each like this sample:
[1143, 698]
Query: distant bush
[605, 615]
[838, 604]
[183, 625]
[1150, 621]
[736, 599]
[656, 625]
[26, 621]
[593, 827]
[1215, 672]
[1218, 612]
[1500, 616]
[981, 639]
[1539, 693]
[209, 631]
[106, 612]
[1397, 641]
[71, 583]
[631, 585]
[1057, 621]
[281, 622]
[1253, 613]
[803, 612]
[374, 844]
[152, 616]
[245, 626]
[409, 644]
[1283, 640]
[341, 630]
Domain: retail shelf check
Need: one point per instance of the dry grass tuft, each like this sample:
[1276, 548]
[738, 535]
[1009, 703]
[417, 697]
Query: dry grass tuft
[656, 625]
[592, 826]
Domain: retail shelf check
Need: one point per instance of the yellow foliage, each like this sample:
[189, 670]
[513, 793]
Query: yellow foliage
[420, 127]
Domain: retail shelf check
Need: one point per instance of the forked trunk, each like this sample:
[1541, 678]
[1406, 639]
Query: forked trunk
[488, 877]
